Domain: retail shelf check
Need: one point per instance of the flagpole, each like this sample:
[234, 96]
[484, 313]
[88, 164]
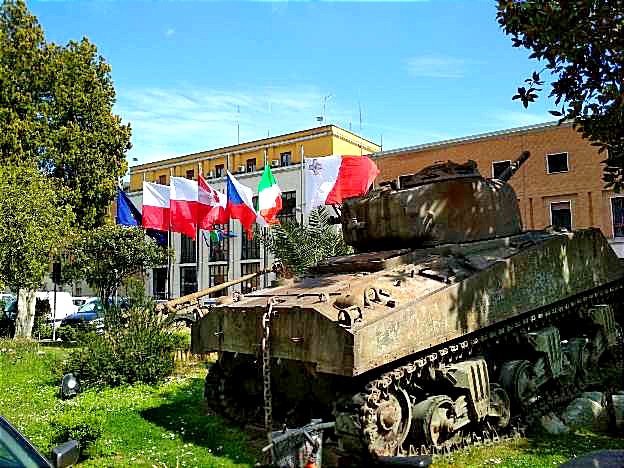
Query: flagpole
[170, 264]
[198, 260]
[264, 234]
[302, 183]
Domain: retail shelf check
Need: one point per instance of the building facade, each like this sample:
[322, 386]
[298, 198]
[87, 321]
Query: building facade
[208, 262]
[560, 184]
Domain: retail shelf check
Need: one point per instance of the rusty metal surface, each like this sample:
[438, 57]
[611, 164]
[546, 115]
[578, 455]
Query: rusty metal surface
[351, 323]
[442, 203]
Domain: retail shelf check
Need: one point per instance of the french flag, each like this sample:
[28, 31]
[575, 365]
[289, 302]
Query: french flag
[240, 205]
[184, 206]
[156, 206]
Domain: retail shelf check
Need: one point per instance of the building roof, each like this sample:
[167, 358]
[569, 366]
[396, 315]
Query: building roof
[253, 145]
[469, 139]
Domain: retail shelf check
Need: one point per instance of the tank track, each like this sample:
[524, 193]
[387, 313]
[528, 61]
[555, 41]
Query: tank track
[356, 417]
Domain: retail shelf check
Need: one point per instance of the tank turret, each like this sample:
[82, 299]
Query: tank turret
[443, 203]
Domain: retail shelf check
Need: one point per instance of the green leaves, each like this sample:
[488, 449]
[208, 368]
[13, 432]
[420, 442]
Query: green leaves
[56, 111]
[107, 255]
[300, 246]
[34, 224]
[581, 43]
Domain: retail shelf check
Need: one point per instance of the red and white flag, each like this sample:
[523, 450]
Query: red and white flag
[331, 179]
[184, 206]
[156, 206]
[212, 206]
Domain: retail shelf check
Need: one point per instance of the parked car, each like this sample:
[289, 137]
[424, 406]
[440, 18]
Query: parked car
[89, 313]
[16, 451]
[79, 301]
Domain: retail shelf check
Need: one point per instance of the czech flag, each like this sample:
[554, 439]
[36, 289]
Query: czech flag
[240, 205]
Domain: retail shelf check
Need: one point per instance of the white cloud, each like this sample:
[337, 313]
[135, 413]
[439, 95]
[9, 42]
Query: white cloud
[169, 32]
[171, 122]
[430, 66]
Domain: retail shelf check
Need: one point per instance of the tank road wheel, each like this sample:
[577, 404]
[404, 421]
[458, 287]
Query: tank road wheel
[516, 378]
[393, 418]
[500, 407]
[433, 420]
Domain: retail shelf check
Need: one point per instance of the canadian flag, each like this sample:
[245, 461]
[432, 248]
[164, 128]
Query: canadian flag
[184, 206]
[156, 206]
[212, 206]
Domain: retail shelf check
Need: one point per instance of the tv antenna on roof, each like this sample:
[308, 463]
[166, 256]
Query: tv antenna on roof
[321, 118]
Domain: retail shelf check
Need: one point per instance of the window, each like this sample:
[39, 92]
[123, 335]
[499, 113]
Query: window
[159, 283]
[218, 275]
[219, 248]
[285, 158]
[188, 280]
[561, 214]
[251, 165]
[190, 174]
[251, 284]
[250, 249]
[289, 205]
[617, 212]
[498, 167]
[219, 170]
[557, 163]
[162, 179]
[187, 250]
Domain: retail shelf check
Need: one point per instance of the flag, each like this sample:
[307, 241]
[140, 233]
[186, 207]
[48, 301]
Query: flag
[127, 213]
[331, 179]
[240, 206]
[184, 206]
[156, 206]
[269, 196]
[212, 206]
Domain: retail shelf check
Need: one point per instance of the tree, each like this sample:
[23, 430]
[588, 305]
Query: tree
[56, 110]
[581, 43]
[34, 224]
[299, 246]
[107, 255]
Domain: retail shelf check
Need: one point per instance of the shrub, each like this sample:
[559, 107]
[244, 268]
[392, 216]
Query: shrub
[137, 346]
[86, 428]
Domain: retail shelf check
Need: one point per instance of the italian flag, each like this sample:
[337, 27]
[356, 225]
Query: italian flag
[269, 196]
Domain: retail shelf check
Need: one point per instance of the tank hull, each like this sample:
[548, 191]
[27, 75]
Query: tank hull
[431, 297]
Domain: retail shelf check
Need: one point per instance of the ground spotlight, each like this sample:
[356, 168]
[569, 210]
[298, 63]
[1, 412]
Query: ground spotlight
[70, 387]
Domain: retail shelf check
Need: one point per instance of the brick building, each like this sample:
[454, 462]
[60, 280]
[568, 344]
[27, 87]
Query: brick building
[560, 184]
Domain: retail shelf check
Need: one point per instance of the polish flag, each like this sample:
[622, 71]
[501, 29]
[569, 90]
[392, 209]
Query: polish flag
[212, 206]
[240, 205]
[331, 179]
[184, 206]
[156, 206]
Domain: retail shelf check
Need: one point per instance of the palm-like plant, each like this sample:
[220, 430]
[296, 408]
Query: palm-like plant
[298, 246]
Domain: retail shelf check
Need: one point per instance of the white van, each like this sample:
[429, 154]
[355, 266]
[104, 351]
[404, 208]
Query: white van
[64, 304]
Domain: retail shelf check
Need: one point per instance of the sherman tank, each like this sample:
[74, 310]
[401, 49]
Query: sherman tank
[447, 323]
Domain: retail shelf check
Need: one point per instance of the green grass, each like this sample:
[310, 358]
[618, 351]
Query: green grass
[168, 425]
[163, 426]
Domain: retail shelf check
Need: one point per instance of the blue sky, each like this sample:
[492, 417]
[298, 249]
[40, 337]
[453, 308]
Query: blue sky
[187, 72]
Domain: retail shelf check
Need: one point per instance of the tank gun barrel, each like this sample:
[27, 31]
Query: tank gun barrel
[174, 303]
[513, 168]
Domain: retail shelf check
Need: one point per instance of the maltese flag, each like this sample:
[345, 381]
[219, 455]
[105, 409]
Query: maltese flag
[212, 206]
[331, 179]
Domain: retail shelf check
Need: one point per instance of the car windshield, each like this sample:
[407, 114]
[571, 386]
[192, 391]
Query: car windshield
[88, 307]
[16, 452]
